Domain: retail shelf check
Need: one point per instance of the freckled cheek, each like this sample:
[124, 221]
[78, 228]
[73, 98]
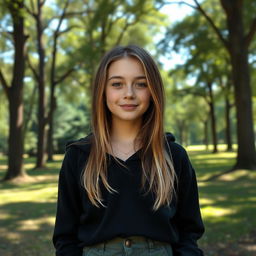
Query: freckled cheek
[145, 97]
[111, 96]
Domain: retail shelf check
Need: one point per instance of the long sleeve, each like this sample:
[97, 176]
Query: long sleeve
[188, 217]
[68, 209]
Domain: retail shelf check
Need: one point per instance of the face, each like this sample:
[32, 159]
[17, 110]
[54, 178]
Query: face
[127, 92]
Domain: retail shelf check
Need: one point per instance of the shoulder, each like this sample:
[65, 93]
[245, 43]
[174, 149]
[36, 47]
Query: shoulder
[82, 144]
[176, 150]
[76, 154]
[180, 158]
[77, 150]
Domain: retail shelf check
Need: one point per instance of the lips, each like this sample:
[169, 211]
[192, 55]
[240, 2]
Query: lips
[128, 106]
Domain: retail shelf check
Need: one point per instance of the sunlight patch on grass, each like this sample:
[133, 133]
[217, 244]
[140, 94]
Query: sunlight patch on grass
[210, 211]
[58, 157]
[3, 167]
[27, 166]
[204, 201]
[39, 195]
[203, 148]
[9, 235]
[4, 216]
[225, 155]
[237, 175]
[215, 161]
[42, 178]
[202, 183]
[31, 224]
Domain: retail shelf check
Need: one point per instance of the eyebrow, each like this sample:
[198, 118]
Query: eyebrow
[120, 77]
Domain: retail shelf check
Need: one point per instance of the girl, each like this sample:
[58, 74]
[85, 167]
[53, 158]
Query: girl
[127, 188]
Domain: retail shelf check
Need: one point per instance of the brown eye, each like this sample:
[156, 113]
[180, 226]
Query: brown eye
[116, 84]
[141, 85]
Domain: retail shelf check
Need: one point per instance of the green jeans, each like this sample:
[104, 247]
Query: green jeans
[130, 246]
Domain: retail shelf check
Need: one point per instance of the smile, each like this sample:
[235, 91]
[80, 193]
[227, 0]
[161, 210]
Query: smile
[128, 106]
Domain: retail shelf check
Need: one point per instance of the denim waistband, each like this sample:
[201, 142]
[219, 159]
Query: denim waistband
[131, 241]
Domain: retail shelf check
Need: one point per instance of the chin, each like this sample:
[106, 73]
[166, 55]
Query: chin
[128, 118]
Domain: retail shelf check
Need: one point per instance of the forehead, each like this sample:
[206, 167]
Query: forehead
[126, 66]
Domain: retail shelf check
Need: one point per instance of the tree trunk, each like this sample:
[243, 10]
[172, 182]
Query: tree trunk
[53, 83]
[180, 125]
[28, 116]
[15, 95]
[50, 150]
[228, 124]
[213, 119]
[52, 100]
[15, 141]
[246, 155]
[42, 135]
[238, 49]
[206, 140]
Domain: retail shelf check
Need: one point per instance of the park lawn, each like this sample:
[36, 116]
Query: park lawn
[28, 211]
[228, 204]
[228, 207]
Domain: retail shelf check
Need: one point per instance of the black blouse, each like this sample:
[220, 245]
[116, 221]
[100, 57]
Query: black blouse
[129, 212]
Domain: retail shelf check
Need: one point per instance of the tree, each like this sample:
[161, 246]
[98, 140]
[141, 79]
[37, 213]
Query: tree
[202, 62]
[236, 39]
[54, 80]
[237, 45]
[45, 115]
[36, 13]
[226, 85]
[14, 92]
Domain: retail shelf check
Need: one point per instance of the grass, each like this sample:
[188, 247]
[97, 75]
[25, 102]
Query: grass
[28, 211]
[228, 207]
[228, 203]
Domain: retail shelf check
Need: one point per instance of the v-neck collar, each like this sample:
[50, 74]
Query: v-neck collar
[134, 156]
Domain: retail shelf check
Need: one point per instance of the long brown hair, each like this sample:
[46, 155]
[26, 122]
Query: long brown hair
[157, 166]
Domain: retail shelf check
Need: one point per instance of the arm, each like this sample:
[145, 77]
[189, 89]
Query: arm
[188, 217]
[68, 209]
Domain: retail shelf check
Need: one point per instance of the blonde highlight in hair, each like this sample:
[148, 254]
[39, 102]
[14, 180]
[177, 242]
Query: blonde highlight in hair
[156, 162]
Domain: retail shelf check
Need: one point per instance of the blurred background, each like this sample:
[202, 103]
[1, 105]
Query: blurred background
[206, 52]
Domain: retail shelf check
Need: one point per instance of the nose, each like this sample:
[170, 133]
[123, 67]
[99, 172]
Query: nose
[129, 92]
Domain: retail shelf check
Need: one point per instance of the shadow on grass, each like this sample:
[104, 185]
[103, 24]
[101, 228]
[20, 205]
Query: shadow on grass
[26, 228]
[228, 209]
[27, 242]
[17, 212]
[207, 164]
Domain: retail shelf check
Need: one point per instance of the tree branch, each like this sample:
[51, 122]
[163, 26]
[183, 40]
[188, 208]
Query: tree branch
[62, 16]
[4, 83]
[42, 2]
[32, 69]
[68, 29]
[54, 48]
[7, 35]
[183, 3]
[64, 76]
[251, 33]
[32, 6]
[127, 24]
[70, 14]
[50, 20]
[217, 31]
[29, 11]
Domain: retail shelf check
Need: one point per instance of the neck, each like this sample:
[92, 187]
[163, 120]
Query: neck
[124, 132]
